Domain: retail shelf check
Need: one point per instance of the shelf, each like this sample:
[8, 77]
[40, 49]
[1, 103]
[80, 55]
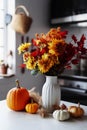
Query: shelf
[7, 75]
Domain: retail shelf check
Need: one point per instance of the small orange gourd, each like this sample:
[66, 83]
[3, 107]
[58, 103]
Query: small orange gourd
[76, 111]
[17, 97]
[31, 108]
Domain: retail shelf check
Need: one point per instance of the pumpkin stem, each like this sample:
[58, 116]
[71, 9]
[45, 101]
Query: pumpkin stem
[32, 101]
[78, 104]
[17, 83]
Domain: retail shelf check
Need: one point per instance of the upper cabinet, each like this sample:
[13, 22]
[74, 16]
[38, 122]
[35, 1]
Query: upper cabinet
[68, 11]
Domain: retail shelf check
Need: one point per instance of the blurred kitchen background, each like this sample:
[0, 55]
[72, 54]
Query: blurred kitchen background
[71, 15]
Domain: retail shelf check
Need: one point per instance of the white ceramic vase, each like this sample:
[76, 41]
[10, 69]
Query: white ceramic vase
[51, 93]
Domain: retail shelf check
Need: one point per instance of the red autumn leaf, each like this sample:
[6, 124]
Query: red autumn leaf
[42, 51]
[80, 43]
[63, 34]
[80, 46]
[83, 38]
[84, 51]
[74, 38]
[68, 67]
[43, 40]
[34, 42]
[22, 65]
[75, 61]
[35, 53]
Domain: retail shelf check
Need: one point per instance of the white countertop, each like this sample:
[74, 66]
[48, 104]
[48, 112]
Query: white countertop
[12, 120]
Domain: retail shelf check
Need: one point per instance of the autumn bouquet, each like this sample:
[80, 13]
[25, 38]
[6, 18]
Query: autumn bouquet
[50, 53]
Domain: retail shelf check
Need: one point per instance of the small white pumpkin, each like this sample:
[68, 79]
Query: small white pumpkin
[61, 115]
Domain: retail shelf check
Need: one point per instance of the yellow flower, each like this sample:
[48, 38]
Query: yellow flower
[46, 62]
[57, 47]
[31, 63]
[26, 56]
[23, 47]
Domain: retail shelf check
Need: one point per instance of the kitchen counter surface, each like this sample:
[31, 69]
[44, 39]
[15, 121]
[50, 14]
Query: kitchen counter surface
[12, 120]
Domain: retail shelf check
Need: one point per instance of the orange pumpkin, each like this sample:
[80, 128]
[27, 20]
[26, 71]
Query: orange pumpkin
[17, 97]
[76, 111]
[31, 108]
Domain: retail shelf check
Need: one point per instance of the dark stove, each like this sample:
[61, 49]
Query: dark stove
[74, 88]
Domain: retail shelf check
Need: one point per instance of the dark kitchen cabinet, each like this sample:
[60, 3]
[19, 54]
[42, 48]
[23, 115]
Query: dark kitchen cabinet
[79, 6]
[67, 11]
[61, 8]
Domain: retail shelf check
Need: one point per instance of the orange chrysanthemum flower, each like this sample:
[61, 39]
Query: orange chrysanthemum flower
[57, 47]
[46, 62]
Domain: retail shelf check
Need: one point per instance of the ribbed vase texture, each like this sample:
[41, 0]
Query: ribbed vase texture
[51, 93]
